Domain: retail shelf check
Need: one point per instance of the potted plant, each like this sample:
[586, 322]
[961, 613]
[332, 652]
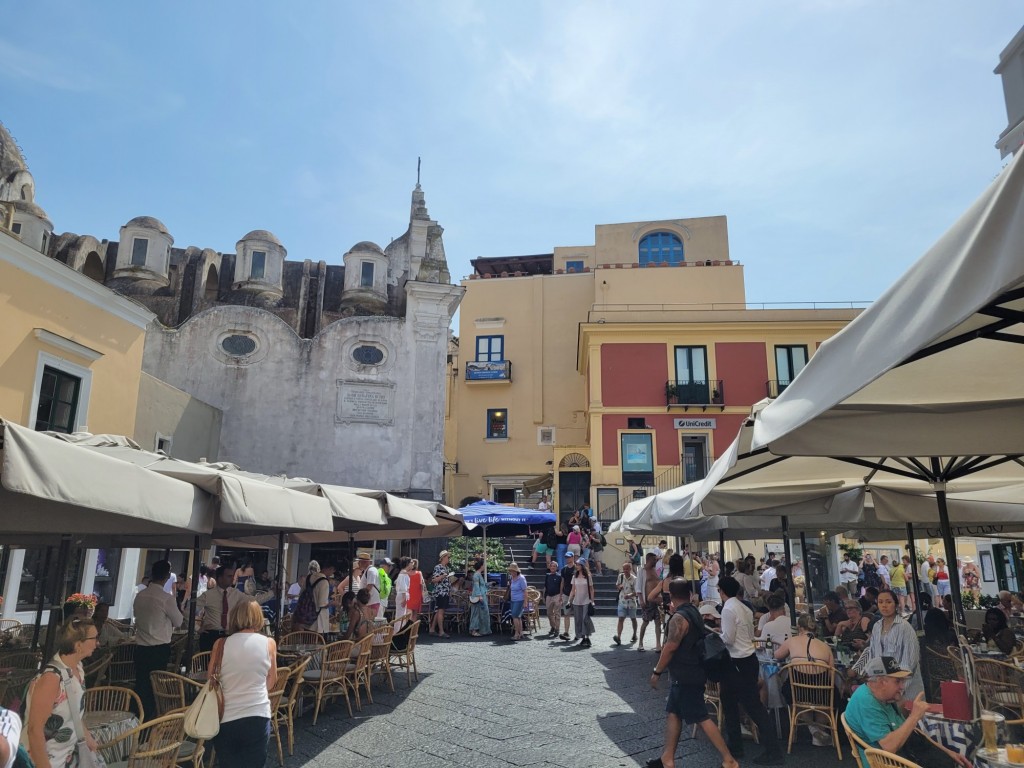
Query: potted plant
[671, 393]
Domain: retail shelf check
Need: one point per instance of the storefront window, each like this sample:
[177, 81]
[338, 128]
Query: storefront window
[108, 563]
[35, 565]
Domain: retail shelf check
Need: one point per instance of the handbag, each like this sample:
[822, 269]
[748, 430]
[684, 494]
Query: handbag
[475, 598]
[202, 718]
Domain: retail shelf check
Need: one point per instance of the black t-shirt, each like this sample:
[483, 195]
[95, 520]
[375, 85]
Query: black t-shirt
[567, 573]
[561, 538]
[552, 584]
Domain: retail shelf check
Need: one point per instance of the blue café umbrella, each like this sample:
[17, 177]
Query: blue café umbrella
[482, 515]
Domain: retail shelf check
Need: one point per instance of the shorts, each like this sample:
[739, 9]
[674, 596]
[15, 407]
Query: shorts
[626, 610]
[540, 548]
[517, 608]
[441, 602]
[899, 591]
[566, 606]
[650, 612]
[687, 703]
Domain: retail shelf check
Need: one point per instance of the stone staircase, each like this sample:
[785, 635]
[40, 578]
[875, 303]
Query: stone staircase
[520, 549]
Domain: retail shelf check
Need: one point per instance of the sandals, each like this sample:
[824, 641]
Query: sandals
[657, 650]
[641, 648]
[475, 634]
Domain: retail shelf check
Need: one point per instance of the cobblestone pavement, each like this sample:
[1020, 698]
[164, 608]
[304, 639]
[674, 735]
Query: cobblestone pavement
[492, 703]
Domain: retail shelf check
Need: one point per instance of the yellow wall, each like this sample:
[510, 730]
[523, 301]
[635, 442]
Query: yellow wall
[37, 292]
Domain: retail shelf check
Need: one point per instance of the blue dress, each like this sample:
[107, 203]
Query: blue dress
[479, 612]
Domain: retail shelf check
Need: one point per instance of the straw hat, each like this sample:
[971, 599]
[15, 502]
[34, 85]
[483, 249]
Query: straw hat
[513, 567]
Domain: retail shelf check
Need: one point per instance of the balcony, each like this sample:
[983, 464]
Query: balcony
[482, 370]
[695, 393]
[776, 387]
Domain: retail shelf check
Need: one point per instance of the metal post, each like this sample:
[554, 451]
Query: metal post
[787, 550]
[948, 544]
[193, 598]
[721, 550]
[914, 568]
[808, 593]
[280, 586]
[42, 582]
[351, 557]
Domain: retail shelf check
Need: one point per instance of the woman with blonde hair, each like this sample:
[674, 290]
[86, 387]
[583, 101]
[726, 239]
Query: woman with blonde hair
[248, 670]
[54, 732]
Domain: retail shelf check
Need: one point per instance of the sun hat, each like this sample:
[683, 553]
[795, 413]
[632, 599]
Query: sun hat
[363, 555]
[884, 666]
[513, 567]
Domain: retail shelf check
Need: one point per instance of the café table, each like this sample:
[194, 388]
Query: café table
[997, 759]
[107, 726]
[771, 674]
[310, 649]
[955, 735]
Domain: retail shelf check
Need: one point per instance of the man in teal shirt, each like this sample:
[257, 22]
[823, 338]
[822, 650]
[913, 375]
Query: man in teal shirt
[872, 713]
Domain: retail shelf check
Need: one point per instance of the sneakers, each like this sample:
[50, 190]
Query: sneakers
[616, 639]
[585, 642]
[633, 640]
[553, 633]
[563, 636]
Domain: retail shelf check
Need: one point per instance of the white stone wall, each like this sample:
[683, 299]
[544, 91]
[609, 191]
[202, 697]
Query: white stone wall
[305, 407]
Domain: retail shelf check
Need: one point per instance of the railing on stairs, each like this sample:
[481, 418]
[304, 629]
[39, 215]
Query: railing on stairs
[673, 477]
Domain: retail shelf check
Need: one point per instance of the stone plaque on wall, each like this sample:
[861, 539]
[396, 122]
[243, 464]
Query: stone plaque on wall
[365, 402]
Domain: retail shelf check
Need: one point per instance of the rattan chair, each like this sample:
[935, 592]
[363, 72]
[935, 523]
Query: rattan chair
[855, 742]
[1001, 686]
[9, 625]
[713, 699]
[812, 684]
[199, 664]
[531, 611]
[172, 692]
[938, 668]
[12, 688]
[380, 650]
[303, 637]
[879, 758]
[357, 672]
[328, 682]
[495, 597]
[28, 660]
[177, 652]
[113, 698]
[277, 693]
[96, 669]
[122, 665]
[152, 745]
[405, 658]
[284, 715]
[456, 615]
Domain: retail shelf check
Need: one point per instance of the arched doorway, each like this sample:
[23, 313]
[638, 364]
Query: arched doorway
[211, 284]
[573, 484]
[93, 267]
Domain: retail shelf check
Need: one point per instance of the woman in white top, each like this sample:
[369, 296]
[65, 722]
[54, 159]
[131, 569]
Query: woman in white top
[580, 597]
[247, 673]
[403, 583]
[318, 582]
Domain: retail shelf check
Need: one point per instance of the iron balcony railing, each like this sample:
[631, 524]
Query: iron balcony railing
[694, 392]
[776, 387]
[482, 370]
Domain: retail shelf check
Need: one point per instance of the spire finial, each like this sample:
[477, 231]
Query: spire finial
[418, 161]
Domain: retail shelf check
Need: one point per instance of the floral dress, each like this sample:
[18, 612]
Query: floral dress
[59, 729]
[479, 612]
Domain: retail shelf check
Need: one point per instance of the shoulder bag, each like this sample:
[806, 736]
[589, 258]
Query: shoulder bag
[202, 718]
[86, 757]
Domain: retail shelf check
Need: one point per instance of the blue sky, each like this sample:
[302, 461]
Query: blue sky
[839, 137]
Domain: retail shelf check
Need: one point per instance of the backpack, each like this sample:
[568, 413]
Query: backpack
[385, 584]
[710, 648]
[306, 610]
[638, 554]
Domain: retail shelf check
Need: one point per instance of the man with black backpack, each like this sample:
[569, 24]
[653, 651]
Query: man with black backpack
[681, 656]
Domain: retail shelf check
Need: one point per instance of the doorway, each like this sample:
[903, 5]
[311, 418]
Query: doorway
[695, 457]
[573, 492]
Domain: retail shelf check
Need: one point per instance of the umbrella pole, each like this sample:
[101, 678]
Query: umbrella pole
[691, 544]
[485, 554]
[808, 593]
[44, 578]
[192, 600]
[914, 568]
[787, 550]
[351, 555]
[280, 586]
[721, 549]
[948, 544]
[57, 616]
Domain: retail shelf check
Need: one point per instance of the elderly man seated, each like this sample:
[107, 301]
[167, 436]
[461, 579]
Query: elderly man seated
[873, 714]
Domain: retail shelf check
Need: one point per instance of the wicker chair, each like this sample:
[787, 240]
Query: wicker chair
[113, 698]
[938, 668]
[456, 616]
[284, 715]
[10, 625]
[855, 742]
[277, 694]
[122, 665]
[405, 658]
[328, 682]
[28, 660]
[357, 671]
[152, 745]
[713, 699]
[303, 637]
[177, 652]
[199, 664]
[494, 600]
[531, 611]
[879, 758]
[1001, 686]
[813, 688]
[380, 650]
[172, 692]
[12, 688]
[96, 669]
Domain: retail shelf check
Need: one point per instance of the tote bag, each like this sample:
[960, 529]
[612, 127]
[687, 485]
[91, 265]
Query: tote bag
[202, 718]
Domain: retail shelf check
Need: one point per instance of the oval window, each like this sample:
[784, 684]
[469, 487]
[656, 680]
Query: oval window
[238, 345]
[367, 355]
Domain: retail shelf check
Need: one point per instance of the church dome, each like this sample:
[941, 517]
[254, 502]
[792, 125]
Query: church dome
[26, 206]
[365, 246]
[261, 234]
[148, 222]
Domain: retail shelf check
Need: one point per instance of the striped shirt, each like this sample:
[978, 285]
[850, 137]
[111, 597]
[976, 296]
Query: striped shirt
[901, 643]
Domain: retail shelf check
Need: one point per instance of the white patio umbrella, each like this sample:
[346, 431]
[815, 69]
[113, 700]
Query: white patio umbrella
[928, 377]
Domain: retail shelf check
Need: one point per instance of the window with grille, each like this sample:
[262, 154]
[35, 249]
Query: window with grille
[661, 248]
[58, 401]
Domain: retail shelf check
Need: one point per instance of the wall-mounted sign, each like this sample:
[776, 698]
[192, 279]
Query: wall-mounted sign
[695, 423]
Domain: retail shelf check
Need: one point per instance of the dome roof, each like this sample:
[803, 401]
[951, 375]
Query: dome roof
[26, 206]
[366, 245]
[11, 159]
[261, 234]
[148, 222]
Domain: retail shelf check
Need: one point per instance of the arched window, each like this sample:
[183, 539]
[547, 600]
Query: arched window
[661, 248]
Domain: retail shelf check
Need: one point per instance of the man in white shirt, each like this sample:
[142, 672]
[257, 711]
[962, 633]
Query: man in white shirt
[768, 574]
[883, 569]
[775, 625]
[215, 606]
[371, 580]
[739, 681]
[848, 571]
[156, 616]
